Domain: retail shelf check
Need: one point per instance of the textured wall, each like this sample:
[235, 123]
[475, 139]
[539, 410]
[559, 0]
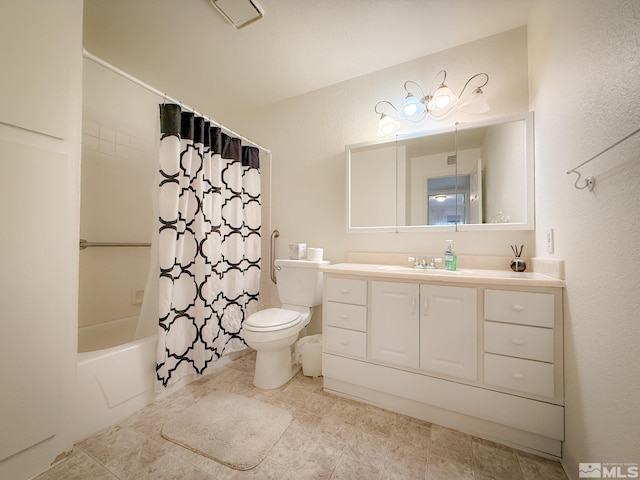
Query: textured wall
[585, 72]
[308, 134]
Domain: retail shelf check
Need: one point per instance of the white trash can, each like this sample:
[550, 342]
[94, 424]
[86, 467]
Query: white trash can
[309, 353]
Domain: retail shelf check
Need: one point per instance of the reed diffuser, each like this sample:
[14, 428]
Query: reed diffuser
[518, 264]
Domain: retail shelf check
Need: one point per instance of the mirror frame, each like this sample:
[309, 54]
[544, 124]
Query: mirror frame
[529, 183]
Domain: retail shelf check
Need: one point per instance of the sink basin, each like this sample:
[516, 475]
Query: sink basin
[427, 271]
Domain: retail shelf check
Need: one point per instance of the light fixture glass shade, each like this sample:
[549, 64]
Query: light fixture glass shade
[411, 108]
[477, 103]
[387, 126]
[442, 98]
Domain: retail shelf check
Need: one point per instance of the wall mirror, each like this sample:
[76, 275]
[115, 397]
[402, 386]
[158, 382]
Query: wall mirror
[470, 177]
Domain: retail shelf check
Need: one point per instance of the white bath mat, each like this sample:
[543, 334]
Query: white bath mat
[231, 429]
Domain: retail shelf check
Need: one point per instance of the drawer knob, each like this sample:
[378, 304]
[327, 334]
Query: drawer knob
[517, 341]
[518, 308]
[344, 342]
[345, 290]
[344, 317]
[518, 376]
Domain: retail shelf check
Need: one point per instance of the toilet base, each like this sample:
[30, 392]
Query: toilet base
[274, 369]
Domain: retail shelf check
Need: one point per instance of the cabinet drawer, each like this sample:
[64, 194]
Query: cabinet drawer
[346, 290]
[525, 308]
[534, 343]
[347, 342]
[344, 315]
[516, 374]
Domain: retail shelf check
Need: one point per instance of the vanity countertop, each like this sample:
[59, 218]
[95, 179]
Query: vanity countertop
[460, 276]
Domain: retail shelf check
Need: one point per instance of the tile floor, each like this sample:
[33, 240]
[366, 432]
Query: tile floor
[329, 438]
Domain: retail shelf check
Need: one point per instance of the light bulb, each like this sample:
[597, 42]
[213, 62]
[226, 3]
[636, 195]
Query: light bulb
[442, 98]
[411, 107]
[387, 126]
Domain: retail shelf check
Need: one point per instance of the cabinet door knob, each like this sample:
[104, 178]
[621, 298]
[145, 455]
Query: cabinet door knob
[517, 341]
[518, 376]
[344, 342]
[344, 316]
[345, 290]
[518, 308]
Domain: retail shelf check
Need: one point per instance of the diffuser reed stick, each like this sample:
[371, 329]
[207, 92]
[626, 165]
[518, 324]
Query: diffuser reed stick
[517, 264]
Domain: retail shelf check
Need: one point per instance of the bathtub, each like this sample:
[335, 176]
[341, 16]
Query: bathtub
[115, 375]
[118, 380]
[106, 335]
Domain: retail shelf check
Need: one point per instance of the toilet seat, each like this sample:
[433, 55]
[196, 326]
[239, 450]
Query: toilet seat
[272, 319]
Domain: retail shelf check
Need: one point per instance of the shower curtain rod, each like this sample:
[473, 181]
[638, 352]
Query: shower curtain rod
[99, 61]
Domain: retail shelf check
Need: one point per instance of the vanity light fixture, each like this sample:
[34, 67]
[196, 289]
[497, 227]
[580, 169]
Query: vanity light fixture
[440, 198]
[435, 105]
[387, 124]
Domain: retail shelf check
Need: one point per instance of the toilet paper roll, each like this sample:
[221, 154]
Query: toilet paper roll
[314, 254]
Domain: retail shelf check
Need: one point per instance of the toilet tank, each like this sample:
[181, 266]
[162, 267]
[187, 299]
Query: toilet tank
[299, 282]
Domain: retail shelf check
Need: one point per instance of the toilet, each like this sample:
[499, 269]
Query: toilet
[272, 332]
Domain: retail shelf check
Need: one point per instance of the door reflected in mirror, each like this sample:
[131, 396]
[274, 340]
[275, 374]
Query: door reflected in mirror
[447, 197]
[474, 177]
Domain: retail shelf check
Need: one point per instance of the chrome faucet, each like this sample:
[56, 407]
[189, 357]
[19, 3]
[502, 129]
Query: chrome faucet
[422, 263]
[417, 263]
[432, 263]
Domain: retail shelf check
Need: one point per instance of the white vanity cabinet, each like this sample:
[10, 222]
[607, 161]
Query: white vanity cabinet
[519, 342]
[449, 330]
[481, 353]
[345, 316]
[395, 323]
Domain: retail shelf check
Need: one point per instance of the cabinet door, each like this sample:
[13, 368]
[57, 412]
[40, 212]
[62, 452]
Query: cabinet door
[395, 323]
[449, 331]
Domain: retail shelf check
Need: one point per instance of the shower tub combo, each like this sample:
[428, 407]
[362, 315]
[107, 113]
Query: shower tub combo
[115, 374]
[116, 363]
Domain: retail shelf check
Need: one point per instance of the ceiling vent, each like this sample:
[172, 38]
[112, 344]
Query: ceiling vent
[239, 13]
[452, 159]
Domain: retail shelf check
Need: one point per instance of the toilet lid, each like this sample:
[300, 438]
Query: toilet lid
[271, 319]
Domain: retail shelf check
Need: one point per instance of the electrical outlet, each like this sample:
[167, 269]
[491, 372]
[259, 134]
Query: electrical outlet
[550, 240]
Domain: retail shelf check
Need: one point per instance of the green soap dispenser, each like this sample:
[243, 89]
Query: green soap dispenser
[450, 257]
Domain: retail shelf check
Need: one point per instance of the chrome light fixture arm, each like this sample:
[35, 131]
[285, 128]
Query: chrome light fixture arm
[388, 103]
[437, 103]
[433, 82]
[479, 87]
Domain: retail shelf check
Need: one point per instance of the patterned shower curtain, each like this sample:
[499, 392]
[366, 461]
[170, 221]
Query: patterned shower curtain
[209, 243]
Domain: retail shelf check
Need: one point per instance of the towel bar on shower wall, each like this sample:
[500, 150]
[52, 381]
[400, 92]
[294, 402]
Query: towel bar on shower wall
[85, 244]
